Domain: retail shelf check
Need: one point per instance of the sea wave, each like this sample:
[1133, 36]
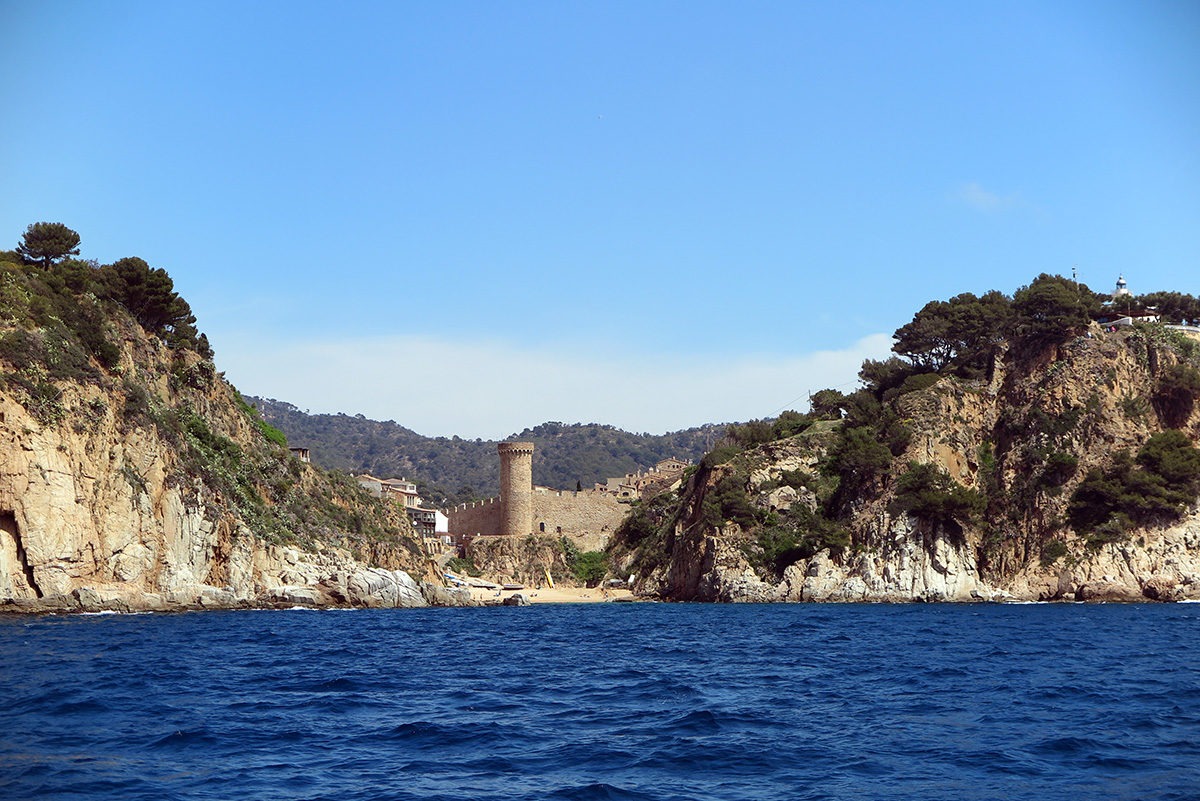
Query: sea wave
[662, 702]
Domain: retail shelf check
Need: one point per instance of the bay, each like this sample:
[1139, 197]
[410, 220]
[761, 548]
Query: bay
[606, 701]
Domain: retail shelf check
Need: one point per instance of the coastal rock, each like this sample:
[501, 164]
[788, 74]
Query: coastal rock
[791, 589]
[84, 535]
[437, 595]
[742, 586]
[905, 568]
[1160, 588]
[1188, 589]
[302, 596]
[375, 587]
[1017, 438]
[1107, 590]
[520, 560]
[823, 578]
[517, 599]
[90, 600]
[149, 484]
[728, 577]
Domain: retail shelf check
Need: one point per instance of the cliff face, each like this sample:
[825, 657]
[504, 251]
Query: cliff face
[1011, 452]
[142, 481]
[524, 560]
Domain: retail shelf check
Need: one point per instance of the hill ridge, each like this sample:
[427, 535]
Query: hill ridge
[452, 470]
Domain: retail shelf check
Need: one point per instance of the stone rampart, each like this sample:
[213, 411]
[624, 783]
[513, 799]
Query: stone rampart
[480, 517]
[587, 518]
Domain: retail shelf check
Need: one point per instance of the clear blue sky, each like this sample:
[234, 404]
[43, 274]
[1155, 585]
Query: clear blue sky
[474, 217]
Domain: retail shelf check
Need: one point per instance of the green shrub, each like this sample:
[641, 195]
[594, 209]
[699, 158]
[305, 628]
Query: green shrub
[779, 547]
[211, 443]
[21, 347]
[199, 375]
[1058, 469]
[646, 519]
[1052, 551]
[796, 479]
[752, 434]
[916, 383]
[728, 500]
[1055, 426]
[989, 471]
[87, 322]
[1147, 336]
[16, 296]
[1114, 529]
[272, 433]
[40, 397]
[137, 411]
[462, 566]
[590, 567]
[798, 534]
[1156, 486]
[928, 493]
[1176, 393]
[1135, 407]
[791, 423]
[1171, 456]
[858, 456]
[720, 455]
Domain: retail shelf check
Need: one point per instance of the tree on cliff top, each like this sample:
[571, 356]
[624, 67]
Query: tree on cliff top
[45, 243]
[962, 332]
[1052, 310]
[149, 295]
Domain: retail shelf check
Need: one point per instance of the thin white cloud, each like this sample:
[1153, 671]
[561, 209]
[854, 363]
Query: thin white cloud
[494, 389]
[975, 196]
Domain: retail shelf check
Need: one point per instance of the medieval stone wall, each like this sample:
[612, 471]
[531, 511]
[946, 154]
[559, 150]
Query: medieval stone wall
[480, 517]
[587, 518]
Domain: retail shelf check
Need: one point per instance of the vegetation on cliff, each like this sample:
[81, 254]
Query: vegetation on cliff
[111, 350]
[1019, 428]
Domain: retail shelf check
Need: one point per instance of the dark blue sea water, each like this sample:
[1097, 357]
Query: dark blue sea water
[606, 702]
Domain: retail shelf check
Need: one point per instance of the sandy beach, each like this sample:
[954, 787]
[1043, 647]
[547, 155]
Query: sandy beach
[556, 595]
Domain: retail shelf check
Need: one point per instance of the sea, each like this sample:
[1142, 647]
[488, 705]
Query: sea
[654, 702]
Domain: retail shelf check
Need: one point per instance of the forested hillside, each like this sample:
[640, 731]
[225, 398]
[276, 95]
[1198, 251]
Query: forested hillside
[452, 470]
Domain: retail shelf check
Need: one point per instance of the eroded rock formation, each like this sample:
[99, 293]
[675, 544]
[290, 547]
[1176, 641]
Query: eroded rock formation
[149, 485]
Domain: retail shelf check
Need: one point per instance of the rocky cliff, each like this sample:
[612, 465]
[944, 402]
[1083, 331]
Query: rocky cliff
[1063, 468]
[133, 476]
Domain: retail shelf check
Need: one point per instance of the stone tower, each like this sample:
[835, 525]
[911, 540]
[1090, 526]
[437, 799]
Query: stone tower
[516, 487]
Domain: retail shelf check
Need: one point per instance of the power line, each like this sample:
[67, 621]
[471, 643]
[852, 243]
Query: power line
[789, 404]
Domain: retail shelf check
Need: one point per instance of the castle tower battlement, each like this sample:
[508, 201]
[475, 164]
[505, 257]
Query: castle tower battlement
[516, 487]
